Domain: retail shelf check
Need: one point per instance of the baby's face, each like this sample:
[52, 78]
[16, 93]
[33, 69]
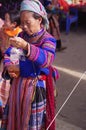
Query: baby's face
[7, 23]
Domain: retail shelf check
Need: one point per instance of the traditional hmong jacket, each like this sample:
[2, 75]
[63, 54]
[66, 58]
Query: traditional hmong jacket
[42, 54]
[38, 62]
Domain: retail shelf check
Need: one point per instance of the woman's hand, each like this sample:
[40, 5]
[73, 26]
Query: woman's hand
[18, 42]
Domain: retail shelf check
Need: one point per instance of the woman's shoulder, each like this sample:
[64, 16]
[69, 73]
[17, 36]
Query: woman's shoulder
[48, 36]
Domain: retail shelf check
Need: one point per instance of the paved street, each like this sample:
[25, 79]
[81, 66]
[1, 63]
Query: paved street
[71, 64]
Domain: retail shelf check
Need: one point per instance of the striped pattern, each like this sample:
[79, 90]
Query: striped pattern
[26, 111]
[37, 120]
[43, 52]
[4, 90]
[21, 94]
[20, 116]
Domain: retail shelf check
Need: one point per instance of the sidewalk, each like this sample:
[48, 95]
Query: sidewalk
[62, 125]
[71, 65]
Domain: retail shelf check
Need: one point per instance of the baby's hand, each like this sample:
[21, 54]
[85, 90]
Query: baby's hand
[13, 75]
[13, 71]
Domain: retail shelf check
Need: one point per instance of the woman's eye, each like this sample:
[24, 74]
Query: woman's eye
[28, 23]
[23, 24]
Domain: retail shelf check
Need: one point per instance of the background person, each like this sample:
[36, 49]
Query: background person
[53, 8]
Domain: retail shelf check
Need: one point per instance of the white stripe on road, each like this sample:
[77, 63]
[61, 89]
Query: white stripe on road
[69, 96]
[71, 72]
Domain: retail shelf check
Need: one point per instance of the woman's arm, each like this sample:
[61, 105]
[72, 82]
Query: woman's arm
[42, 55]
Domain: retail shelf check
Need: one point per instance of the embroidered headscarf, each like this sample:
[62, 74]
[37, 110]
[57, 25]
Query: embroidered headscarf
[36, 7]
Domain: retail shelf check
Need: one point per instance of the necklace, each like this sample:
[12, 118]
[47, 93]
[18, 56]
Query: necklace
[36, 34]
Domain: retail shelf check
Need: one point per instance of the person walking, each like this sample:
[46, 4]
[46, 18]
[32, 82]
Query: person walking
[53, 9]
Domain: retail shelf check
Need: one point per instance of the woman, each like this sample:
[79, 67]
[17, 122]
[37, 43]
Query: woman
[31, 101]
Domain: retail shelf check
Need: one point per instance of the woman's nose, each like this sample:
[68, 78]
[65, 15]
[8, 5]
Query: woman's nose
[24, 26]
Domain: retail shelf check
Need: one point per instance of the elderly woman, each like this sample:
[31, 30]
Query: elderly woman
[31, 100]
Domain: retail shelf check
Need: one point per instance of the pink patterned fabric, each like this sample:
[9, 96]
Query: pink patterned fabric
[23, 97]
[4, 90]
[1, 23]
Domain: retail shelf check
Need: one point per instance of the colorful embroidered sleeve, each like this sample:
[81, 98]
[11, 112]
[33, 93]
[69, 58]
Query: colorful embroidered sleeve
[44, 55]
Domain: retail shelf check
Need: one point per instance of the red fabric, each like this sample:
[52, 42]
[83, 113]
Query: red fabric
[42, 77]
[64, 4]
[50, 104]
[19, 112]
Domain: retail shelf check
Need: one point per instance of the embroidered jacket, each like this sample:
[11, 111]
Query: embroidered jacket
[42, 54]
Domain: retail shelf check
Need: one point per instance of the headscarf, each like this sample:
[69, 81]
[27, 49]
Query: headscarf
[36, 7]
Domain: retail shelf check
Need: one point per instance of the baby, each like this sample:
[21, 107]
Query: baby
[12, 29]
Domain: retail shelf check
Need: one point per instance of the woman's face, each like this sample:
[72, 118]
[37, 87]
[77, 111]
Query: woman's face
[29, 23]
